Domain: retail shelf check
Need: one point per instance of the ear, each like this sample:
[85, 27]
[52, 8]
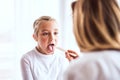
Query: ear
[35, 37]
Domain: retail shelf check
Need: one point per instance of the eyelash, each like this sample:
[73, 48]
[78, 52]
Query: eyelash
[45, 34]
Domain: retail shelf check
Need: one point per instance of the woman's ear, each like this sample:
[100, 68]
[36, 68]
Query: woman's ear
[35, 37]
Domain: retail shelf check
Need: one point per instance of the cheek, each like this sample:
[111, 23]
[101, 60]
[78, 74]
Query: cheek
[56, 40]
[43, 41]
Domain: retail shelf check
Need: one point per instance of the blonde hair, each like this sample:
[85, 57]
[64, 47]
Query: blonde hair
[38, 22]
[96, 24]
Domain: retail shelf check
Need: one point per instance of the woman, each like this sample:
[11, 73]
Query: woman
[97, 32]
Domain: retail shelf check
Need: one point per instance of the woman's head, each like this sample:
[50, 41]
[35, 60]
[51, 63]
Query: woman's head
[45, 33]
[96, 24]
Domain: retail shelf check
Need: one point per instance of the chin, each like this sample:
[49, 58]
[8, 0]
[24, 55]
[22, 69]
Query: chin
[49, 53]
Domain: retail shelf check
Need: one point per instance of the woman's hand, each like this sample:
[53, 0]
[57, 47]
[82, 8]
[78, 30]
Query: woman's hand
[70, 55]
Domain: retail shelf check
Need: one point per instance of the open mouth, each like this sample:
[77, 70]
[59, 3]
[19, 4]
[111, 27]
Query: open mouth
[51, 47]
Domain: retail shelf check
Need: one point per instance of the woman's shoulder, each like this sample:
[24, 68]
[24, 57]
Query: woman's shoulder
[96, 57]
[94, 63]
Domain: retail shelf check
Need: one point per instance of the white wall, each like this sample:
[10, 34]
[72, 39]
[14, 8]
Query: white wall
[16, 20]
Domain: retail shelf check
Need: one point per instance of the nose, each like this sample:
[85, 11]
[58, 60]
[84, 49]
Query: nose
[52, 37]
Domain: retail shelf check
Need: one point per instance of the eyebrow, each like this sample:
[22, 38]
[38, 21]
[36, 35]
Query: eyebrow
[48, 30]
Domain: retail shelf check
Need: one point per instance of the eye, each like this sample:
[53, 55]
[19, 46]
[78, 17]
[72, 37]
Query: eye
[45, 33]
[55, 33]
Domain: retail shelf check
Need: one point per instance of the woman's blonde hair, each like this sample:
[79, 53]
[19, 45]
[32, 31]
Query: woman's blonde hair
[96, 24]
[38, 22]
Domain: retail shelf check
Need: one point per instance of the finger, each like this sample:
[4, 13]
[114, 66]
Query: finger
[72, 53]
[68, 56]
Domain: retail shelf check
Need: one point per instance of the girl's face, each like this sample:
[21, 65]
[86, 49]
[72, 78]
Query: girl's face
[47, 37]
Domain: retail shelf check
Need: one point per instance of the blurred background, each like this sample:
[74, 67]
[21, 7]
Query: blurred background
[16, 20]
[16, 29]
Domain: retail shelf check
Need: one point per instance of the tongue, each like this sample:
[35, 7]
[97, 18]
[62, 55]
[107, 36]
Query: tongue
[50, 47]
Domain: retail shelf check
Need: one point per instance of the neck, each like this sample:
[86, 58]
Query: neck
[40, 50]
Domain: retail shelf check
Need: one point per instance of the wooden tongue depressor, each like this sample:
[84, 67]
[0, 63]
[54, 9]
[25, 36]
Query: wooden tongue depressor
[61, 49]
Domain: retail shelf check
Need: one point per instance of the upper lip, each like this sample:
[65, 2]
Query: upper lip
[52, 44]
